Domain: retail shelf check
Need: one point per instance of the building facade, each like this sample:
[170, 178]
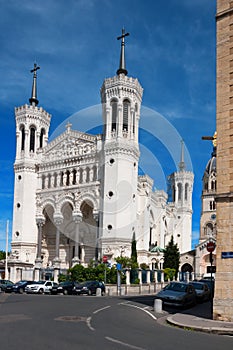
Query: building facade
[223, 299]
[79, 197]
[208, 219]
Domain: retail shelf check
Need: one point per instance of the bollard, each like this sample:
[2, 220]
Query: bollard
[98, 292]
[158, 306]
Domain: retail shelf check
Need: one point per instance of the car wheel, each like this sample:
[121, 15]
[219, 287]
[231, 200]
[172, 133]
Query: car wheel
[20, 290]
[89, 292]
[41, 291]
[65, 291]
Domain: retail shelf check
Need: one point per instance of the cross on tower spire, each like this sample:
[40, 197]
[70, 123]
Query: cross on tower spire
[122, 68]
[182, 163]
[33, 100]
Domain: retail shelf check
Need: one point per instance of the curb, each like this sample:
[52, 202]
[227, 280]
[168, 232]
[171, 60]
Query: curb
[206, 329]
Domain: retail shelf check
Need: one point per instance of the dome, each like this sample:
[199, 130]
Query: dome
[211, 165]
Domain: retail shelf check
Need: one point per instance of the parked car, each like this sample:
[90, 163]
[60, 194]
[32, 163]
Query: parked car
[210, 284]
[179, 294]
[202, 291]
[89, 287]
[18, 287]
[4, 284]
[40, 287]
[66, 287]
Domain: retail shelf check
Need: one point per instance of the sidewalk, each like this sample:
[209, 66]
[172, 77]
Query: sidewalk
[200, 324]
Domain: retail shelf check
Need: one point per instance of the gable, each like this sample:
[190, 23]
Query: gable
[70, 144]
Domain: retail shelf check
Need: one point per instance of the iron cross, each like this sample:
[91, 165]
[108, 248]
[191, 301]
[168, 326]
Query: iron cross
[123, 35]
[35, 68]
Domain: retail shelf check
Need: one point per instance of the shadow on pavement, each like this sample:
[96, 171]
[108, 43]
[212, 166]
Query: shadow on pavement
[200, 310]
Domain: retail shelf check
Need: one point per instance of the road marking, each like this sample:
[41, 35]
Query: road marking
[103, 308]
[88, 322]
[140, 308]
[124, 344]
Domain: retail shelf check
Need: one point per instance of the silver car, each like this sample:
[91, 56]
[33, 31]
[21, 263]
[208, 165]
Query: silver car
[179, 294]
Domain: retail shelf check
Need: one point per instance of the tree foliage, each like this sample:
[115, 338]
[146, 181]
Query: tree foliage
[172, 256]
[2, 255]
[80, 273]
[134, 256]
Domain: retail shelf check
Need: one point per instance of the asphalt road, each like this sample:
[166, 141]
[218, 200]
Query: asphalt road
[34, 322]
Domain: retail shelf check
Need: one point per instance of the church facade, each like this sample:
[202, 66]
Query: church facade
[79, 197]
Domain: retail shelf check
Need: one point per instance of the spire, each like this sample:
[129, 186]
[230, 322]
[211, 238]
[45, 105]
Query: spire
[33, 100]
[122, 68]
[182, 163]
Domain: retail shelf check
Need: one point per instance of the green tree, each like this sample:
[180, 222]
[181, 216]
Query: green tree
[172, 256]
[2, 255]
[134, 256]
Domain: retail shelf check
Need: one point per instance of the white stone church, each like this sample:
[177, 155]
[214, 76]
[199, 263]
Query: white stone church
[79, 197]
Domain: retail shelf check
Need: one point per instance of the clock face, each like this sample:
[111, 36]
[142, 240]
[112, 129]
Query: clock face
[213, 216]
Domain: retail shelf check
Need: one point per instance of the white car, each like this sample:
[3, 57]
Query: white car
[40, 287]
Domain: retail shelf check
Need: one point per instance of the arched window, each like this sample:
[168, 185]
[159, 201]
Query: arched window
[42, 133]
[32, 139]
[114, 114]
[126, 105]
[186, 192]
[179, 191]
[22, 138]
[173, 193]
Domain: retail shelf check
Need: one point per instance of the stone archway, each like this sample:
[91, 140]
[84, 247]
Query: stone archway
[88, 232]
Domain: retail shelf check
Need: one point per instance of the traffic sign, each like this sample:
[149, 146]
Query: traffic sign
[210, 246]
[105, 259]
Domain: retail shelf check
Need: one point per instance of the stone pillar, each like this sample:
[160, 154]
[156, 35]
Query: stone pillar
[187, 276]
[148, 276]
[40, 221]
[82, 253]
[120, 120]
[127, 272]
[162, 277]
[58, 219]
[140, 276]
[77, 218]
[155, 276]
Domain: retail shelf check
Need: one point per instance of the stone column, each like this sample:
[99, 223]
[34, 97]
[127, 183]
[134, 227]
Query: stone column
[140, 276]
[119, 120]
[162, 277]
[40, 221]
[127, 272]
[148, 276]
[58, 219]
[77, 218]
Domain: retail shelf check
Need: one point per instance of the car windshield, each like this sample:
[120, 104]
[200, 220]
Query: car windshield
[198, 286]
[177, 287]
[64, 283]
[20, 282]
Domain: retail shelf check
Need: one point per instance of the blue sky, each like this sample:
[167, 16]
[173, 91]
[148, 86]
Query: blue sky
[171, 50]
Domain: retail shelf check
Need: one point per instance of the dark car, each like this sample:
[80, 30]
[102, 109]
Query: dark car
[18, 287]
[210, 284]
[179, 294]
[4, 284]
[66, 287]
[89, 287]
[202, 291]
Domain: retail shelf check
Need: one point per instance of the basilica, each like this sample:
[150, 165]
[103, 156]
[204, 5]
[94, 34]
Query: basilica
[79, 197]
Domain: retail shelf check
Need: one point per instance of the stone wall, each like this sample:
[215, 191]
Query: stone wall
[223, 301]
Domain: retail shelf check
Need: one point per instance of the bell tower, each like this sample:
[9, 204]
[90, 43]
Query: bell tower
[181, 189]
[121, 98]
[32, 128]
